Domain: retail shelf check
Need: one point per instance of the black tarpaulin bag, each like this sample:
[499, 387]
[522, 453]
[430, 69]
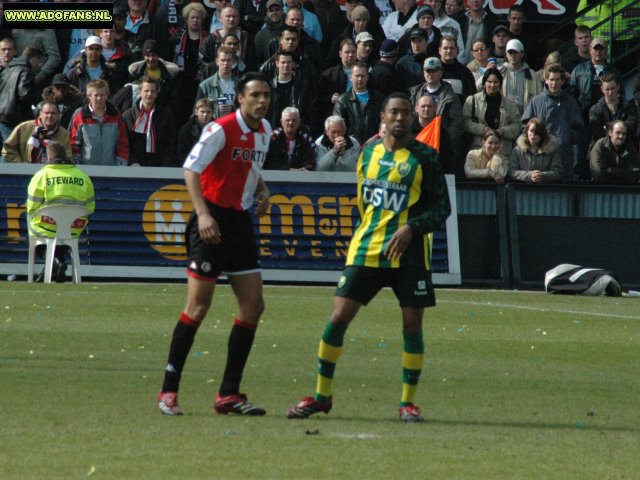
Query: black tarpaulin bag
[576, 280]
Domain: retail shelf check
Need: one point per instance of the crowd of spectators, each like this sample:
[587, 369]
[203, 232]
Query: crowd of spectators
[140, 93]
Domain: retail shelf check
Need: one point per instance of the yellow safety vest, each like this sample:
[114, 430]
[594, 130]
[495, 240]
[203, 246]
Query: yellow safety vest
[59, 184]
[593, 16]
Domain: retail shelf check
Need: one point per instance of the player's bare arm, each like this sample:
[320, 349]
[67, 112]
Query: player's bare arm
[262, 198]
[207, 225]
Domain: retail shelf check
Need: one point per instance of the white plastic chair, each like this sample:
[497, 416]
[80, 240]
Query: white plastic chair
[64, 216]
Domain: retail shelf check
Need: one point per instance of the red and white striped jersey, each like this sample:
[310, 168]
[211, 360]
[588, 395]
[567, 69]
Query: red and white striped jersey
[229, 158]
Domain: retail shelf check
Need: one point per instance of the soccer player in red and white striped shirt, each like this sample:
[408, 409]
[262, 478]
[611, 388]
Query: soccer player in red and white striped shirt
[223, 174]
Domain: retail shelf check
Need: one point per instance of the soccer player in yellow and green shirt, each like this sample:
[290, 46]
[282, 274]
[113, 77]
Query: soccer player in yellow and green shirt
[402, 198]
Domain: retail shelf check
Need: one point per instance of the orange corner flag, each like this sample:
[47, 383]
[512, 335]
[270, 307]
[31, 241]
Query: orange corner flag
[430, 135]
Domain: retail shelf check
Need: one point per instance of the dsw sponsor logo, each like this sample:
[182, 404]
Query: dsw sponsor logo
[385, 198]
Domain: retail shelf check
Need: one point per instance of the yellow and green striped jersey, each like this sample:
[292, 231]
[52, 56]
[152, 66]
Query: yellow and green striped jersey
[403, 187]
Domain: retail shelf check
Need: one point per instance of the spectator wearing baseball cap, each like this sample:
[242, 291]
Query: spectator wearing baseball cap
[447, 106]
[92, 65]
[498, 42]
[425, 16]
[66, 96]
[153, 66]
[365, 49]
[274, 22]
[521, 83]
[518, 30]
[585, 86]
[409, 67]
[383, 74]
[585, 78]
[359, 22]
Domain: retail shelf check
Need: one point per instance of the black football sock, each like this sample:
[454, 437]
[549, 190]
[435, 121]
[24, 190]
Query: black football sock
[181, 342]
[239, 346]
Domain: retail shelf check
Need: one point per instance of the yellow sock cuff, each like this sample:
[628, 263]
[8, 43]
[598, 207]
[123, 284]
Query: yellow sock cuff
[408, 393]
[412, 361]
[324, 386]
[329, 353]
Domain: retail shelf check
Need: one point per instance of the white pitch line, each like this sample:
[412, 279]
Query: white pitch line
[540, 309]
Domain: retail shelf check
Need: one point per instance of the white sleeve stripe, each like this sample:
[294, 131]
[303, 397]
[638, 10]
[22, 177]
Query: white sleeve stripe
[204, 152]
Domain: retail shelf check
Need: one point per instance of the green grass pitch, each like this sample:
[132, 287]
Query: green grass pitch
[516, 385]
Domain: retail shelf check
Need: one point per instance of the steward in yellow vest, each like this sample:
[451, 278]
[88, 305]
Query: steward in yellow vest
[59, 182]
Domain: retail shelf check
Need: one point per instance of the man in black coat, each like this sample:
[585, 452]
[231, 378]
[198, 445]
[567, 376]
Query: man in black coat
[290, 147]
[360, 106]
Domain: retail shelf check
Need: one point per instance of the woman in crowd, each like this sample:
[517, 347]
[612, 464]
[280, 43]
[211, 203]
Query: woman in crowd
[535, 158]
[188, 58]
[490, 110]
[487, 162]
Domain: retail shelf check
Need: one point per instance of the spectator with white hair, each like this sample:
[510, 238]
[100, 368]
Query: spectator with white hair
[290, 148]
[335, 150]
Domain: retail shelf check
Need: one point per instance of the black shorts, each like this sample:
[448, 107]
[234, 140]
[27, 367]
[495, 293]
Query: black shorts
[236, 253]
[411, 285]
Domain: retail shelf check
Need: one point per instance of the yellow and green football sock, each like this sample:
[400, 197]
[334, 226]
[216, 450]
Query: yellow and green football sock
[329, 352]
[412, 358]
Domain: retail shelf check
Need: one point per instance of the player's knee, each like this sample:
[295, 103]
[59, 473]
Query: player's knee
[257, 307]
[251, 311]
[198, 311]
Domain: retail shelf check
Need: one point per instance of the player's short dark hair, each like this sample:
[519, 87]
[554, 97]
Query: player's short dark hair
[245, 79]
[400, 95]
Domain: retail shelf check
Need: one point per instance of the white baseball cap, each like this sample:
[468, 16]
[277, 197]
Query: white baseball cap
[93, 40]
[516, 45]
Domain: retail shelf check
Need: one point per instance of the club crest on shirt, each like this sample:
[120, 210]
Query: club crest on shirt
[404, 169]
[243, 137]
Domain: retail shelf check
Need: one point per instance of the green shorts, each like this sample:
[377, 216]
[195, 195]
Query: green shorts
[411, 285]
